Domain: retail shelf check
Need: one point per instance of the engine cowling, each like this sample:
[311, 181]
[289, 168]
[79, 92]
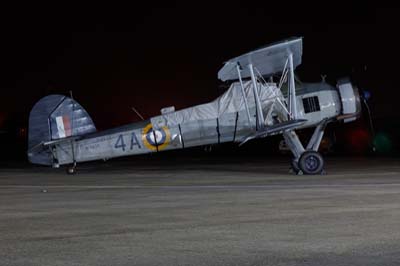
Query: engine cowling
[350, 99]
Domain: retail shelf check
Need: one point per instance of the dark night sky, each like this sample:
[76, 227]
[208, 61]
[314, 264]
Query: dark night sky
[156, 55]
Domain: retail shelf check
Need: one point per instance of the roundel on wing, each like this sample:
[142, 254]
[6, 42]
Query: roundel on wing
[156, 139]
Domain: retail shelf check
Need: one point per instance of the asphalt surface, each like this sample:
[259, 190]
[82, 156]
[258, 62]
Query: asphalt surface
[201, 212]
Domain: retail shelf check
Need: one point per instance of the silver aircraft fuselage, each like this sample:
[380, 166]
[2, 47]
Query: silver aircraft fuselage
[315, 102]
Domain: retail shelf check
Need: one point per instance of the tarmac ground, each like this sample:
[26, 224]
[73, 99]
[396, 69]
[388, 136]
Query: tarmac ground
[196, 211]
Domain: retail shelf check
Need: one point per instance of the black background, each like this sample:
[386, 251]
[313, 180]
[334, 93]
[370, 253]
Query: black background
[159, 54]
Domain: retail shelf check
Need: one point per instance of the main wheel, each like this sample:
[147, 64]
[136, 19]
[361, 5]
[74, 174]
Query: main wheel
[311, 163]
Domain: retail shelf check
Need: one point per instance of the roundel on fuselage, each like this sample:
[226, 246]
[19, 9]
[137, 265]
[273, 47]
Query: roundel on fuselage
[157, 139]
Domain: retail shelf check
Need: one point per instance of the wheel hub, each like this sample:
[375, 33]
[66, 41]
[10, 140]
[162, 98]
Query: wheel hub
[312, 163]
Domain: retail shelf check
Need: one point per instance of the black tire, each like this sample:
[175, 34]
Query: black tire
[311, 163]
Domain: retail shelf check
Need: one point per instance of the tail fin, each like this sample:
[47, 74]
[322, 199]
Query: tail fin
[55, 117]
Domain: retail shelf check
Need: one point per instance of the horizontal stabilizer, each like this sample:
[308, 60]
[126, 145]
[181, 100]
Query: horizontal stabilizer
[274, 129]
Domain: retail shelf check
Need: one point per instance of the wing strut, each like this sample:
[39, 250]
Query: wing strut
[292, 90]
[260, 115]
[243, 94]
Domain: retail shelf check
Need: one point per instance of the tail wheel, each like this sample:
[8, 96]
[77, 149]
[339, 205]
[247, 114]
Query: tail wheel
[71, 170]
[311, 163]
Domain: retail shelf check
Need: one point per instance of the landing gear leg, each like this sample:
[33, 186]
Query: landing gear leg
[294, 168]
[307, 161]
[294, 144]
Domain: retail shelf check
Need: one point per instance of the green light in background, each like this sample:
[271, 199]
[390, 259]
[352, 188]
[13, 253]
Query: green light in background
[382, 143]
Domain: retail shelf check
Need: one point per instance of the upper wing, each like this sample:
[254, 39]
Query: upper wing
[268, 60]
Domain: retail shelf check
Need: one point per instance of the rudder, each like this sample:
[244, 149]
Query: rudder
[55, 117]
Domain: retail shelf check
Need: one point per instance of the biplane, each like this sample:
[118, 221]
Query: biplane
[264, 99]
